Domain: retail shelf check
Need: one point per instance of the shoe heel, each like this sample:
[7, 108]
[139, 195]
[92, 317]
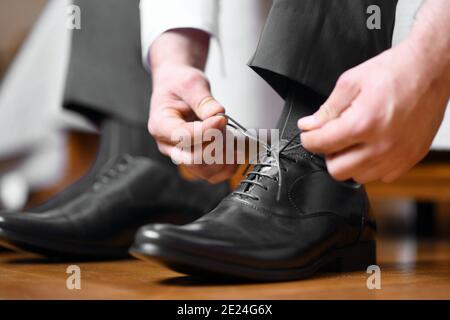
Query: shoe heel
[354, 258]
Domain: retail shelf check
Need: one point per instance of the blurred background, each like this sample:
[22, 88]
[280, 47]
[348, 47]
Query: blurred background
[37, 163]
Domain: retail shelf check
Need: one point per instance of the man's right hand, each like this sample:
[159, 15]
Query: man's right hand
[182, 99]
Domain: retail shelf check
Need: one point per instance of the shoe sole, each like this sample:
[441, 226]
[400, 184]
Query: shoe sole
[55, 248]
[355, 257]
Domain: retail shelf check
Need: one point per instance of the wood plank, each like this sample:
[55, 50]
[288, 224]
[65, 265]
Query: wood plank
[428, 182]
[409, 270]
[16, 20]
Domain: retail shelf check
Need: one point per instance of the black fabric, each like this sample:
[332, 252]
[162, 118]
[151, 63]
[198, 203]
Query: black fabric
[106, 76]
[314, 41]
[300, 102]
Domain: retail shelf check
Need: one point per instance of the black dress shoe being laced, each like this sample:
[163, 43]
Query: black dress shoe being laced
[285, 221]
[102, 221]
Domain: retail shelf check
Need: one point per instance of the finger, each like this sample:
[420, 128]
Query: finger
[395, 174]
[164, 148]
[345, 91]
[186, 155]
[346, 164]
[171, 128]
[392, 176]
[178, 155]
[193, 155]
[196, 92]
[334, 137]
[384, 169]
[370, 173]
[182, 155]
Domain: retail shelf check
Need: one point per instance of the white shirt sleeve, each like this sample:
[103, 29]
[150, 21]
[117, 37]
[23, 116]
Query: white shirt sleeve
[158, 16]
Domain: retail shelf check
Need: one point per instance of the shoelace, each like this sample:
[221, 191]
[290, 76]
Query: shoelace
[119, 167]
[272, 152]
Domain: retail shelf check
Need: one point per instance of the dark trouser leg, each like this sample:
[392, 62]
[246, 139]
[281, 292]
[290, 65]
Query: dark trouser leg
[106, 80]
[306, 45]
[300, 102]
[107, 83]
[105, 75]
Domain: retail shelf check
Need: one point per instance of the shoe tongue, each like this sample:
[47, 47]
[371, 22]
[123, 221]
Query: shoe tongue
[269, 170]
[264, 161]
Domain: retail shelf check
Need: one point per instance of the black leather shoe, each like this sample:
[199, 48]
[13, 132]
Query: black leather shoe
[316, 223]
[116, 138]
[101, 222]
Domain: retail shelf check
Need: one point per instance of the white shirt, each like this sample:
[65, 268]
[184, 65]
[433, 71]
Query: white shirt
[237, 24]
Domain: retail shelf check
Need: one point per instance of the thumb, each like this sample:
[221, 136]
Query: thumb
[207, 107]
[197, 94]
[345, 91]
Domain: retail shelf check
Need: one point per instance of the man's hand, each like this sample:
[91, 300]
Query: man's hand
[182, 99]
[379, 121]
[383, 115]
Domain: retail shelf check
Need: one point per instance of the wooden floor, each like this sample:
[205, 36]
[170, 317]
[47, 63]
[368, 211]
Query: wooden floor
[408, 271]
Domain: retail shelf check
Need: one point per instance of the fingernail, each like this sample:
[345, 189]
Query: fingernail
[308, 122]
[216, 121]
